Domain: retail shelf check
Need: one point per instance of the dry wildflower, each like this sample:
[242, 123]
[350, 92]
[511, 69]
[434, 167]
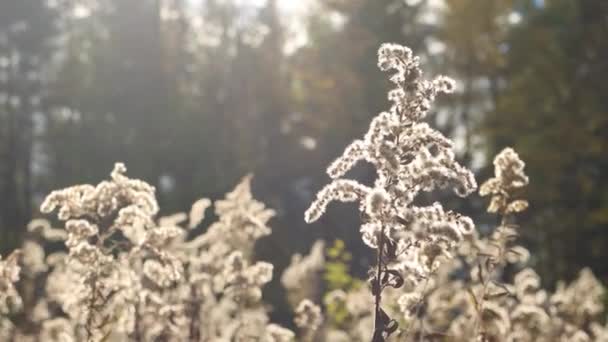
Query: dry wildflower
[164, 273]
[98, 279]
[509, 177]
[43, 228]
[32, 259]
[197, 212]
[302, 278]
[410, 157]
[482, 307]
[10, 299]
[242, 217]
[57, 329]
[243, 281]
[579, 300]
[308, 316]
[125, 275]
[218, 295]
[408, 303]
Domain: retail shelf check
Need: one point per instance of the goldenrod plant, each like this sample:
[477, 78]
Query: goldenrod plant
[108, 268]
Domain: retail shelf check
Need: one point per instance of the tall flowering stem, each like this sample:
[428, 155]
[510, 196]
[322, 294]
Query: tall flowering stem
[409, 157]
[508, 181]
[110, 227]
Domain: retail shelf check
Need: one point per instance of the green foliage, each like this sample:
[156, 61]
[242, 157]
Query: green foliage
[337, 313]
[337, 269]
[337, 276]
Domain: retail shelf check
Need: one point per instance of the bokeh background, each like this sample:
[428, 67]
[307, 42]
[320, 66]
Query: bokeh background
[194, 94]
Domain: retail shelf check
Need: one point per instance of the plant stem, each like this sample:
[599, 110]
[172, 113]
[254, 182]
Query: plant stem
[378, 296]
[194, 320]
[89, 321]
[478, 325]
[137, 333]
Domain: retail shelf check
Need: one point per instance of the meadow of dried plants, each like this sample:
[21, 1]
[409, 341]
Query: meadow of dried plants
[114, 271]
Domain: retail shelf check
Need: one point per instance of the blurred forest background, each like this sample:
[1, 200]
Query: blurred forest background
[194, 94]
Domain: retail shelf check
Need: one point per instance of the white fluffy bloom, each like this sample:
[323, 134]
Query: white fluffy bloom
[9, 275]
[103, 199]
[97, 283]
[44, 229]
[164, 273]
[197, 212]
[79, 231]
[302, 278]
[33, 258]
[377, 202]
[342, 190]
[308, 315]
[509, 176]
[409, 157]
[407, 302]
[57, 330]
[244, 280]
